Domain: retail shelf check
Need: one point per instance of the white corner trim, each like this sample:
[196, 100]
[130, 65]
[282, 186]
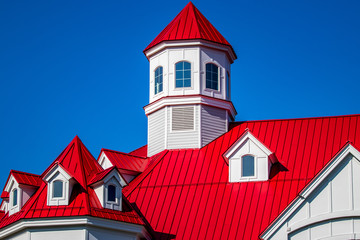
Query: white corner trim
[55, 169]
[305, 193]
[247, 135]
[71, 221]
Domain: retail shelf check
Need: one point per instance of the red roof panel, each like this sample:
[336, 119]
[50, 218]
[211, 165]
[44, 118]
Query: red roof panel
[126, 161]
[82, 166]
[186, 193]
[189, 24]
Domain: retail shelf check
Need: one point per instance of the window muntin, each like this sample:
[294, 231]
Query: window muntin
[111, 194]
[15, 197]
[182, 74]
[158, 80]
[58, 189]
[248, 166]
[212, 76]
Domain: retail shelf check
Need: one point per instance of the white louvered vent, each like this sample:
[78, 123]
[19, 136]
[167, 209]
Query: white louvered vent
[182, 118]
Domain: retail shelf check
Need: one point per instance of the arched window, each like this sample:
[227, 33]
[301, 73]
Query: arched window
[14, 197]
[212, 76]
[57, 189]
[111, 195]
[248, 166]
[183, 74]
[158, 80]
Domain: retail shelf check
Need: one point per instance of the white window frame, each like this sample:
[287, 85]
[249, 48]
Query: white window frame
[219, 77]
[162, 83]
[191, 76]
[242, 167]
[57, 173]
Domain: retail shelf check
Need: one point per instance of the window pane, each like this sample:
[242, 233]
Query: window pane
[187, 65]
[183, 74]
[15, 197]
[179, 66]
[158, 80]
[57, 189]
[179, 83]
[212, 76]
[187, 83]
[111, 193]
[248, 166]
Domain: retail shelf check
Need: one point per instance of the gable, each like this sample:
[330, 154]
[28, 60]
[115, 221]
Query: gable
[328, 207]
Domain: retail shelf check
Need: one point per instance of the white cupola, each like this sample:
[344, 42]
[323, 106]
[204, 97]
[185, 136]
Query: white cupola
[190, 103]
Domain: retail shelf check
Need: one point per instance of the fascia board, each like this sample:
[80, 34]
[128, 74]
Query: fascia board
[247, 135]
[9, 183]
[56, 168]
[62, 222]
[319, 178]
[115, 173]
[186, 100]
[190, 43]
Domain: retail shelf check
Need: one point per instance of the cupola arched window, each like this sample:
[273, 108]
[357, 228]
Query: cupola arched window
[58, 189]
[15, 197]
[183, 74]
[158, 80]
[248, 166]
[111, 193]
[212, 76]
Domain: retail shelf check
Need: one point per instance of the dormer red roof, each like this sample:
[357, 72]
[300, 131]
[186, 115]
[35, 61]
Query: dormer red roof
[189, 24]
[78, 162]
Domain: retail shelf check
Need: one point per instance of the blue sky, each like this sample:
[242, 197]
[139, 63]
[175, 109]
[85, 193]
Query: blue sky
[76, 68]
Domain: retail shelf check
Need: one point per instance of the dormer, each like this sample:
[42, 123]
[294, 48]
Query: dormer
[59, 186]
[249, 159]
[108, 186]
[18, 189]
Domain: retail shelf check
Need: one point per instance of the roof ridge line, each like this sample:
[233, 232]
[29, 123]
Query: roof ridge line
[105, 149]
[17, 171]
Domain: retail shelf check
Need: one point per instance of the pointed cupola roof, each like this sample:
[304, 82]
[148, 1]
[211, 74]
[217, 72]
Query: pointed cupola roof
[189, 24]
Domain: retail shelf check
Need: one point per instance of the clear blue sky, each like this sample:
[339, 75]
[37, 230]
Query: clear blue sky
[76, 68]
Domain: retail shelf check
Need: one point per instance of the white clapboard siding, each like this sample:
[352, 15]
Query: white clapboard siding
[156, 132]
[213, 123]
[331, 211]
[182, 135]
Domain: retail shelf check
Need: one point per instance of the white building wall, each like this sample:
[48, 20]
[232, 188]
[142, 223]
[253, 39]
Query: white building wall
[213, 123]
[156, 132]
[108, 234]
[198, 56]
[332, 211]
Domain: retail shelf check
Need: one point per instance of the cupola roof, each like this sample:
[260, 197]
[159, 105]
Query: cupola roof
[189, 24]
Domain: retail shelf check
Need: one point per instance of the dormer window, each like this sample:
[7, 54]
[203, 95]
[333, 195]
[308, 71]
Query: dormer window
[58, 189]
[14, 197]
[108, 186]
[59, 186]
[111, 194]
[182, 74]
[249, 159]
[158, 80]
[248, 166]
[212, 76]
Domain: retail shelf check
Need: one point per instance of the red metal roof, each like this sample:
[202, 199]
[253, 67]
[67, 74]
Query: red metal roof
[100, 175]
[185, 194]
[126, 161]
[4, 194]
[83, 167]
[189, 24]
[140, 152]
[26, 178]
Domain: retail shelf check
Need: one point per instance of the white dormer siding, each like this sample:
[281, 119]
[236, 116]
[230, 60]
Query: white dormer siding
[109, 190]
[59, 186]
[104, 161]
[248, 160]
[211, 109]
